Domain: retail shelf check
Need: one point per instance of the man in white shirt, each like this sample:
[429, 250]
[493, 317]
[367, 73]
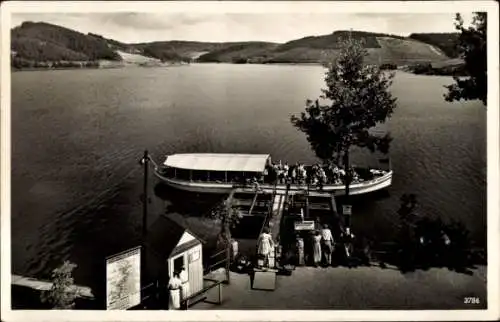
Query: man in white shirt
[328, 243]
[185, 282]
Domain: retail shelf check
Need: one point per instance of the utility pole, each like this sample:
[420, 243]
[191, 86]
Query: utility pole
[145, 163]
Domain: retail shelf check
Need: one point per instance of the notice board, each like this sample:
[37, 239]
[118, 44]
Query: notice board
[123, 280]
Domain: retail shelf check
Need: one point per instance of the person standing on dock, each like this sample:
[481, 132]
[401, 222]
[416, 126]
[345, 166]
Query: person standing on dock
[327, 238]
[183, 275]
[174, 286]
[300, 250]
[266, 245]
[293, 174]
[317, 248]
[348, 239]
[286, 170]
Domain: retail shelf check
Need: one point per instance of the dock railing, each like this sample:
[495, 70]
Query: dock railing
[217, 260]
[201, 295]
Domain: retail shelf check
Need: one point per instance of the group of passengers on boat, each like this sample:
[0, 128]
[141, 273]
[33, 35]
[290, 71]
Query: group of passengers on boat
[275, 172]
[315, 175]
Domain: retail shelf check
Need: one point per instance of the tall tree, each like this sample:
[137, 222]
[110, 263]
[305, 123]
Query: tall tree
[356, 99]
[228, 216]
[63, 293]
[472, 48]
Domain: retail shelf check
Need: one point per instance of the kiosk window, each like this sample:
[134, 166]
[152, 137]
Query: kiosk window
[178, 263]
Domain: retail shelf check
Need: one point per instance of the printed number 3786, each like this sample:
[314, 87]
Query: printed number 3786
[471, 300]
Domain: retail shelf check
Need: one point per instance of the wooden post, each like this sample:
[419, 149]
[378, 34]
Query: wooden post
[228, 261]
[145, 197]
[347, 183]
[307, 202]
[220, 293]
[145, 161]
[347, 175]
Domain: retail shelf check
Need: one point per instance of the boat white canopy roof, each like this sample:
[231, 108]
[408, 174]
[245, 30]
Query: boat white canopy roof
[218, 162]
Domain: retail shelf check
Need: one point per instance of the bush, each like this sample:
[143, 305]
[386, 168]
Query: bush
[62, 295]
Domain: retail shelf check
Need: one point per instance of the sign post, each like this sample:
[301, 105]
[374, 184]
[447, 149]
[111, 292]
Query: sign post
[123, 280]
[304, 225]
[347, 212]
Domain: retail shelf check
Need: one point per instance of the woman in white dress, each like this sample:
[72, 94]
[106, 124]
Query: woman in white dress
[174, 287]
[266, 245]
[317, 248]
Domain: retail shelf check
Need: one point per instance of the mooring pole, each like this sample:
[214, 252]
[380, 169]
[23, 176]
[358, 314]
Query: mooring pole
[144, 161]
[347, 170]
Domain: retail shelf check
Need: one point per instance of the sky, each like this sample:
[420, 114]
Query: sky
[273, 27]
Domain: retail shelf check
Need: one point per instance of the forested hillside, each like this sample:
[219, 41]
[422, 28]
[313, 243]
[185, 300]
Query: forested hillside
[444, 41]
[46, 42]
[382, 49]
[40, 44]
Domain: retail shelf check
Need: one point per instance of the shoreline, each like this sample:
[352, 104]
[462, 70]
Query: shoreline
[36, 69]
[403, 68]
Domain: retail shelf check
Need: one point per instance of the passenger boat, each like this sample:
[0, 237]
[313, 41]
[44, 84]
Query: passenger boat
[220, 173]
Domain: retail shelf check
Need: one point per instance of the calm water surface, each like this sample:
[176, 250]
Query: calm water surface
[77, 137]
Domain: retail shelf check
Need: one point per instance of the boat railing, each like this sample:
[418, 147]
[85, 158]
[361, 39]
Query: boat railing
[304, 184]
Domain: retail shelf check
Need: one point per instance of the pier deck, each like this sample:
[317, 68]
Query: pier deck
[39, 285]
[281, 209]
[294, 190]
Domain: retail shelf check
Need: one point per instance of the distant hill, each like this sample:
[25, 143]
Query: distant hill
[37, 44]
[41, 41]
[239, 52]
[113, 44]
[382, 49]
[174, 50]
[333, 40]
[444, 41]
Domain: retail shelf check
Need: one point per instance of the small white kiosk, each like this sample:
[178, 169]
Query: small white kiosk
[170, 247]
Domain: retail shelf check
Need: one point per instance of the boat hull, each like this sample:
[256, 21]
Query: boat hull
[376, 184]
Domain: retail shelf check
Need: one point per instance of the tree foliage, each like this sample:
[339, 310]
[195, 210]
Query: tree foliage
[39, 41]
[427, 241]
[229, 216]
[472, 48]
[446, 41]
[62, 295]
[356, 99]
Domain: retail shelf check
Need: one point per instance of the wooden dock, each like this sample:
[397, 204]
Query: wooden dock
[40, 286]
[281, 205]
[275, 224]
[294, 190]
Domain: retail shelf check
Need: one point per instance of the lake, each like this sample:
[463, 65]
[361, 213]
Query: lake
[77, 136]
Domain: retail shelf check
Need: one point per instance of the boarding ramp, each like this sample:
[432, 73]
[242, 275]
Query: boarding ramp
[265, 277]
